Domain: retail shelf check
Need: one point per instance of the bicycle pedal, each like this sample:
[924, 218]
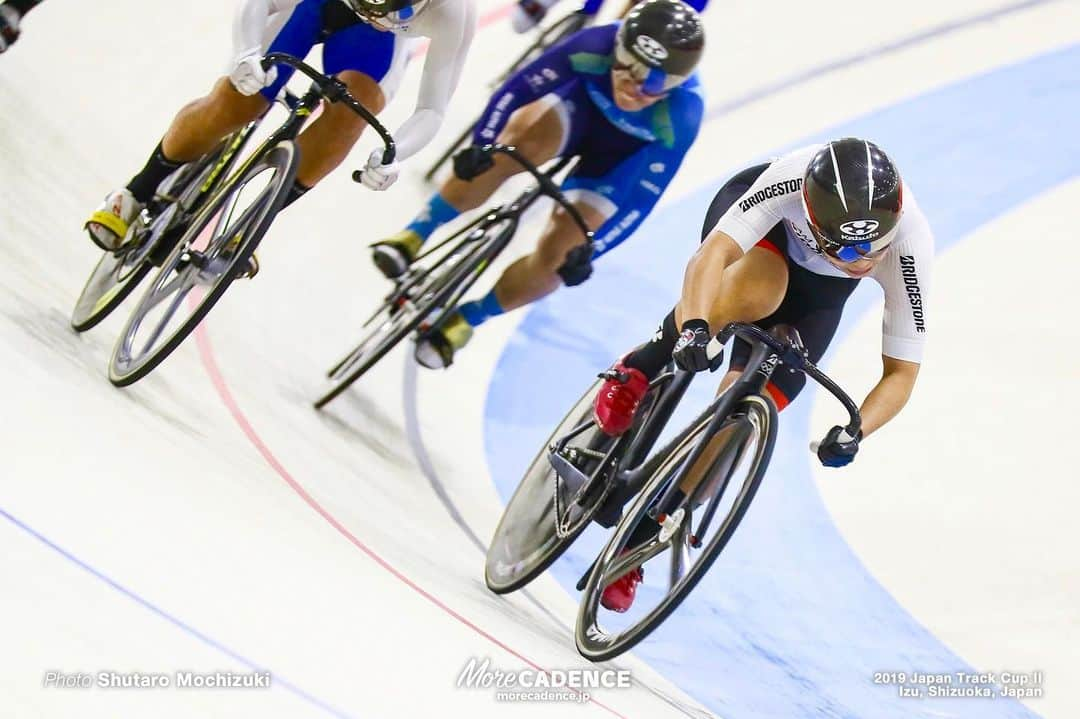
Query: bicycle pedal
[611, 374]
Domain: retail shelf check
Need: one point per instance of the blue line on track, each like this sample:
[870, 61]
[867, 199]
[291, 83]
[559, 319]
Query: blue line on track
[277, 680]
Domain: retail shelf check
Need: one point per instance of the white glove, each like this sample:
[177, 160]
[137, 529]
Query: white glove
[248, 77]
[377, 176]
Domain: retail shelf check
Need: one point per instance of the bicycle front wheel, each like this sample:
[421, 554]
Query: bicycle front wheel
[202, 265]
[118, 273]
[687, 542]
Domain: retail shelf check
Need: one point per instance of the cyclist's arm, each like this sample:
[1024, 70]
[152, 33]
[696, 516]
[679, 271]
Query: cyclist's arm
[749, 219]
[552, 70]
[250, 21]
[890, 394]
[451, 27]
[905, 275]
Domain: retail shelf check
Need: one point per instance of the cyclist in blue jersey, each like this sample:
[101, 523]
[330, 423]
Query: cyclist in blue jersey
[527, 14]
[625, 100]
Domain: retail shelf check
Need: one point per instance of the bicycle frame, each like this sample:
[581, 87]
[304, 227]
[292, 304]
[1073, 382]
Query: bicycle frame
[632, 469]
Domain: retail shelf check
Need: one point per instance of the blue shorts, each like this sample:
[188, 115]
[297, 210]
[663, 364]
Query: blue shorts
[609, 168]
[356, 46]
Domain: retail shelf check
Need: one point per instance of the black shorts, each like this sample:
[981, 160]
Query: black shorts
[812, 305]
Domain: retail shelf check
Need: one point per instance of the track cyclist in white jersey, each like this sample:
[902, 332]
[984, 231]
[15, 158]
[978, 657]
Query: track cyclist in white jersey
[365, 44]
[787, 243]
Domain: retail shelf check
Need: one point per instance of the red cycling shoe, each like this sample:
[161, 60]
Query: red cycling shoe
[619, 595]
[618, 399]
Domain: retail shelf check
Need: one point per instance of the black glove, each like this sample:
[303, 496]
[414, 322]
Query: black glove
[578, 265]
[689, 353]
[839, 448]
[472, 161]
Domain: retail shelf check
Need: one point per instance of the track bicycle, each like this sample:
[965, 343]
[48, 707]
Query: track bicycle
[692, 492]
[428, 293]
[215, 246]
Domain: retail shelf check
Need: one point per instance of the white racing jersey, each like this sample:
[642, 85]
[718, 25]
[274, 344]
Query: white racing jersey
[904, 272]
[449, 24]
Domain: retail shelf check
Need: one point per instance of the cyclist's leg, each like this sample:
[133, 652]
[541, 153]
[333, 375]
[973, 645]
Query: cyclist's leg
[605, 188]
[362, 58]
[201, 124]
[541, 130]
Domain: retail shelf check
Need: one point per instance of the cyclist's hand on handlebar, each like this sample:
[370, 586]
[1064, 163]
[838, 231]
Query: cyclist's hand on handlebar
[376, 175]
[248, 76]
[838, 448]
[691, 351]
[578, 265]
[471, 162]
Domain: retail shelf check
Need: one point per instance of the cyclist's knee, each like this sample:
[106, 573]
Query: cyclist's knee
[535, 131]
[226, 107]
[365, 89]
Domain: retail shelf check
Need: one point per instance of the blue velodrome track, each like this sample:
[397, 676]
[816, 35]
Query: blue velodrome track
[789, 623]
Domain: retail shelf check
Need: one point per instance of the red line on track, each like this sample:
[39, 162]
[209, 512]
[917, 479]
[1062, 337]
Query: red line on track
[206, 353]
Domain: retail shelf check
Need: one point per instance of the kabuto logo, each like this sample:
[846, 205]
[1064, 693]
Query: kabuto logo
[862, 229]
[778, 189]
[911, 286]
[654, 52]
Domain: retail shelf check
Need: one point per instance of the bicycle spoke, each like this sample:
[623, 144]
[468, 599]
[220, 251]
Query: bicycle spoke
[159, 293]
[178, 298]
[633, 558]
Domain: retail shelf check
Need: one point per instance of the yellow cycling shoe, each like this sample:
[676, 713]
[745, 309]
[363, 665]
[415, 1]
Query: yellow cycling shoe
[108, 226]
[435, 348]
[394, 254]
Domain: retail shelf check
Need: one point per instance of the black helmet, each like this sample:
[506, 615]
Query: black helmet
[660, 42]
[388, 14]
[853, 198]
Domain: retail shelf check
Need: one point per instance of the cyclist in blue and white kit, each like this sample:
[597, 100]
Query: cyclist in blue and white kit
[624, 99]
[365, 44]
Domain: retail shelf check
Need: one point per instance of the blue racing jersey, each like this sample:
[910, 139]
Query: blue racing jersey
[585, 59]
[628, 157]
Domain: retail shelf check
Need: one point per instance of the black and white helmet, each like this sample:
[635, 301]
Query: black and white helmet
[660, 42]
[853, 196]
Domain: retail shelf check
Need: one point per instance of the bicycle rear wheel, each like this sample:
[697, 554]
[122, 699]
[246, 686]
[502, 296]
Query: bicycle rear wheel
[529, 538]
[118, 273]
[690, 551]
[216, 245]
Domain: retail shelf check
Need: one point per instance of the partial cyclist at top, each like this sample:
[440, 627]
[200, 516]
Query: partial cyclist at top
[625, 99]
[527, 14]
[366, 45]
